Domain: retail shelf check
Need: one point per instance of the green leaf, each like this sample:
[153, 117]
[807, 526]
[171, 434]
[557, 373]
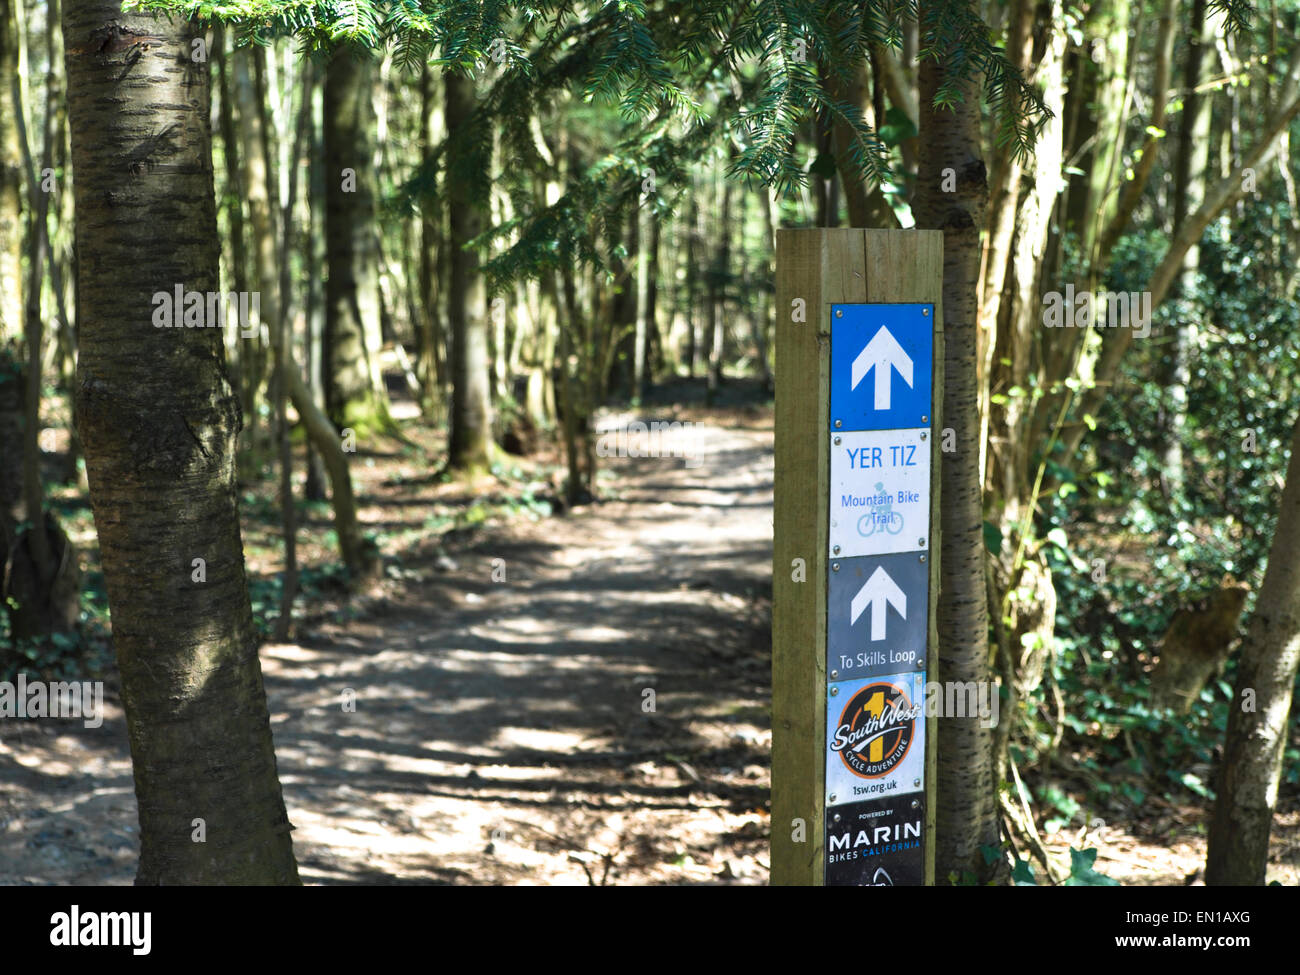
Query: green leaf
[1060, 473]
[823, 166]
[1022, 875]
[992, 538]
[1084, 874]
[898, 126]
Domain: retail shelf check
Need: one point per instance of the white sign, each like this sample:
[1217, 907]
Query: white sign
[884, 354]
[875, 737]
[880, 492]
[876, 592]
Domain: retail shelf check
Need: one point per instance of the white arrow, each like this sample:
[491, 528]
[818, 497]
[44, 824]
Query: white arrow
[882, 353]
[878, 592]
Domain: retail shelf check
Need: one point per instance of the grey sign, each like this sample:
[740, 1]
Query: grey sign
[877, 615]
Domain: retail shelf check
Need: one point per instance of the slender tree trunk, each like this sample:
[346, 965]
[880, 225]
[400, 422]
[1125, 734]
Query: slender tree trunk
[283, 353]
[1189, 191]
[1133, 189]
[853, 91]
[866, 204]
[623, 322]
[498, 213]
[38, 541]
[255, 182]
[570, 404]
[652, 353]
[41, 573]
[1097, 146]
[542, 392]
[159, 420]
[1017, 356]
[967, 802]
[648, 229]
[234, 204]
[763, 326]
[826, 187]
[471, 411]
[55, 153]
[1004, 205]
[36, 603]
[1251, 767]
[358, 552]
[430, 367]
[352, 287]
[718, 292]
[11, 178]
[694, 243]
[314, 312]
[901, 89]
[62, 251]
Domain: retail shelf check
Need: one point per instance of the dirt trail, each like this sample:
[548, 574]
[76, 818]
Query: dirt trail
[502, 730]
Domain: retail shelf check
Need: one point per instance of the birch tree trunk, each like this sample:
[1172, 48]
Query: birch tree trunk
[159, 420]
[966, 803]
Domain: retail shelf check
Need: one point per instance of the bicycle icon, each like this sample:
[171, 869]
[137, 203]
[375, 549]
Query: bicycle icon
[881, 517]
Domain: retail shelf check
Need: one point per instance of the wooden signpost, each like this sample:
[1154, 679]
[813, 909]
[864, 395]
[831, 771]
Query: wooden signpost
[859, 373]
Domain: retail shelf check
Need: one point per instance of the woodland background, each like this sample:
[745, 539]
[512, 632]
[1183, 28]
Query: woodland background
[481, 233]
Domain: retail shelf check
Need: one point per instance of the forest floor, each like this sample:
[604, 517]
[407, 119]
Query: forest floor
[574, 699]
[538, 700]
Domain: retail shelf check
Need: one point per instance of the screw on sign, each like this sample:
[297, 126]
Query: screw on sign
[893, 346]
[875, 738]
[876, 843]
[877, 596]
[877, 614]
[866, 379]
[876, 729]
[879, 492]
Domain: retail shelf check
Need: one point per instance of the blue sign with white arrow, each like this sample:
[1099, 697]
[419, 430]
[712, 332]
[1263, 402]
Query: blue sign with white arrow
[881, 361]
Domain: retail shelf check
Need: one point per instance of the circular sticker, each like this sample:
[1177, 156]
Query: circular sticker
[876, 729]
